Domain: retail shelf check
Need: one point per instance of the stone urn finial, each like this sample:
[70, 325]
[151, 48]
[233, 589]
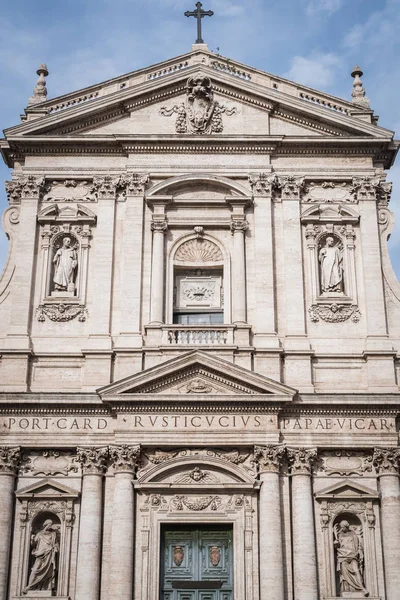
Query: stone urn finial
[40, 90]
[358, 93]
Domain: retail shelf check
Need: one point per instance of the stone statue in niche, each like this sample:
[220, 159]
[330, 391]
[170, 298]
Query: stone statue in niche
[350, 558]
[330, 257]
[65, 265]
[45, 545]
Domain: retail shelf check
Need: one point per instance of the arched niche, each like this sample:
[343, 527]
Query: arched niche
[197, 281]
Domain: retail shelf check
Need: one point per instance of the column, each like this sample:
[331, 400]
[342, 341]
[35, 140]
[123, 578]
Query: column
[238, 229]
[93, 462]
[305, 575]
[387, 462]
[124, 459]
[270, 523]
[159, 228]
[9, 462]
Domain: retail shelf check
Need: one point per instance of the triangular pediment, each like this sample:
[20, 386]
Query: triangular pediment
[109, 108]
[347, 489]
[197, 375]
[46, 488]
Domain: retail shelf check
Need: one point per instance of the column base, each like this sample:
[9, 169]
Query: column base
[40, 595]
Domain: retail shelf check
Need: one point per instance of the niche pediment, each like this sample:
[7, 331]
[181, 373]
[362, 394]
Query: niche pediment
[347, 490]
[197, 375]
[46, 488]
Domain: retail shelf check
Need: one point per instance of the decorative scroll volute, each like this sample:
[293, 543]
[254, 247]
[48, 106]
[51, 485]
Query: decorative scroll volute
[10, 459]
[124, 458]
[301, 460]
[269, 458]
[93, 460]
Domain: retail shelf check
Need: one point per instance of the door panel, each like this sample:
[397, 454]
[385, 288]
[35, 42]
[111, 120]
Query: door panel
[197, 563]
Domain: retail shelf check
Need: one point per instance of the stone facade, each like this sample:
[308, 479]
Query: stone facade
[199, 338]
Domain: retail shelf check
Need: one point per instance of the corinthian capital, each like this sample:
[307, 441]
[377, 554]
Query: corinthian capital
[263, 184]
[124, 458]
[301, 460]
[387, 460]
[105, 187]
[93, 460]
[136, 183]
[269, 457]
[24, 187]
[365, 188]
[9, 460]
[291, 187]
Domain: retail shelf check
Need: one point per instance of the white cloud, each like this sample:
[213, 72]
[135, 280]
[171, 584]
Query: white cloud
[315, 7]
[317, 71]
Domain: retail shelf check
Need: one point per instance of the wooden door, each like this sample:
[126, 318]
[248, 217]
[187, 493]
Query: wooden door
[197, 563]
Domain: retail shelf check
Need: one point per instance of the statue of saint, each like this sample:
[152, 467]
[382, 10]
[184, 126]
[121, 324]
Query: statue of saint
[331, 261]
[45, 548]
[350, 558]
[66, 261]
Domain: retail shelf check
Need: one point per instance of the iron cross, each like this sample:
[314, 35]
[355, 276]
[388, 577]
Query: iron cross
[199, 13]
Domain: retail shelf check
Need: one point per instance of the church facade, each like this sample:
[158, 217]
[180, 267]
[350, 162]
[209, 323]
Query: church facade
[199, 340]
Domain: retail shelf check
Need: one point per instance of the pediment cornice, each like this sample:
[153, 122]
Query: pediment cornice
[152, 91]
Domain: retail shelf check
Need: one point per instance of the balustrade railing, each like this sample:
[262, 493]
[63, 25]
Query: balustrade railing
[199, 336]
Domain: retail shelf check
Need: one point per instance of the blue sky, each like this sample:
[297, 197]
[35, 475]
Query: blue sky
[313, 42]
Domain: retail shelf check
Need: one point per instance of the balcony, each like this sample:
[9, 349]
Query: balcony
[210, 336]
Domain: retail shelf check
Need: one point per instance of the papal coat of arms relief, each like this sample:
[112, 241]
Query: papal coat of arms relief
[200, 113]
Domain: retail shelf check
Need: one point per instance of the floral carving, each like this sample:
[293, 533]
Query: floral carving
[61, 312]
[198, 251]
[68, 190]
[92, 459]
[269, 457]
[198, 504]
[9, 459]
[334, 313]
[160, 456]
[198, 293]
[387, 460]
[200, 114]
[124, 458]
[301, 460]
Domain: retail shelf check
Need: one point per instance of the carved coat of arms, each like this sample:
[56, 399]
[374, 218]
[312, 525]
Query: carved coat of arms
[201, 113]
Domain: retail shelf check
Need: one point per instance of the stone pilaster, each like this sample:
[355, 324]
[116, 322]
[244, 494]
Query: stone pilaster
[132, 258]
[9, 462]
[270, 523]
[124, 459]
[159, 228]
[262, 185]
[387, 464]
[304, 551]
[238, 229]
[93, 461]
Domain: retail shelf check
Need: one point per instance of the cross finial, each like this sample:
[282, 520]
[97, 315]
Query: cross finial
[199, 13]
